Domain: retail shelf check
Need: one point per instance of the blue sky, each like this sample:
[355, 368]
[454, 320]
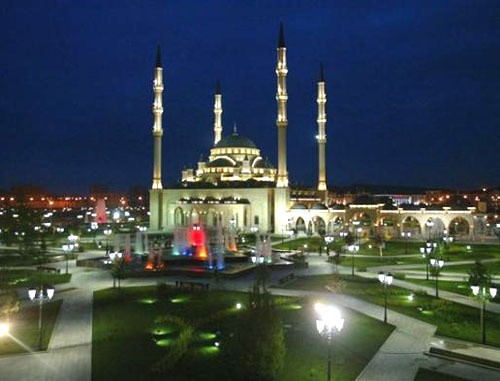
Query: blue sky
[412, 88]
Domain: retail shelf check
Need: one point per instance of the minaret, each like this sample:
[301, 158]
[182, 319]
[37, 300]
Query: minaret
[281, 121]
[157, 129]
[217, 113]
[321, 137]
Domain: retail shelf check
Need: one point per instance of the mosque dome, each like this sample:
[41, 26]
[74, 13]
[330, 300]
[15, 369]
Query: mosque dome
[235, 140]
[221, 162]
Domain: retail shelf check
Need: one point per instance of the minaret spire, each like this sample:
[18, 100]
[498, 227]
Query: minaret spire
[158, 56]
[321, 137]
[157, 114]
[217, 113]
[281, 121]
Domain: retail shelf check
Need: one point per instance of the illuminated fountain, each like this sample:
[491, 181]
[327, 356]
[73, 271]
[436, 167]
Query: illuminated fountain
[198, 242]
[263, 250]
[230, 238]
[155, 260]
[179, 242]
[127, 254]
[219, 248]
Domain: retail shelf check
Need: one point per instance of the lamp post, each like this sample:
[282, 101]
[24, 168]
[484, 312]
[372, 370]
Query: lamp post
[385, 280]
[353, 249]
[329, 322]
[66, 249]
[426, 252]
[429, 225]
[44, 293]
[437, 265]
[107, 233]
[483, 294]
[407, 236]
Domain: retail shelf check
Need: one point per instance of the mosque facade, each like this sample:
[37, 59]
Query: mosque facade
[237, 186]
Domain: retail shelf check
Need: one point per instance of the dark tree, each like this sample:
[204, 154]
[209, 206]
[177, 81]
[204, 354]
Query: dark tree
[255, 351]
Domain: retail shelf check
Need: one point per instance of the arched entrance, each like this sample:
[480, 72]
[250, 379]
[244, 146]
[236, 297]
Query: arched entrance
[434, 228]
[178, 217]
[411, 225]
[300, 225]
[319, 226]
[458, 226]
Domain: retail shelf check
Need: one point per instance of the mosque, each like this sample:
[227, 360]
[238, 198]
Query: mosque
[238, 187]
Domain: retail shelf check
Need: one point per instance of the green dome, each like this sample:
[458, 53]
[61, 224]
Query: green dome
[235, 140]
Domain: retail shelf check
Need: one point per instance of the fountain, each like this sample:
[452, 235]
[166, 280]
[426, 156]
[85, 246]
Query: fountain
[219, 248]
[155, 260]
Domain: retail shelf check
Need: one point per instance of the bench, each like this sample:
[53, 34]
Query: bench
[286, 278]
[192, 286]
[48, 269]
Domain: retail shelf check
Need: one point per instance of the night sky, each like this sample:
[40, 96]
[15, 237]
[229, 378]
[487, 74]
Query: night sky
[413, 88]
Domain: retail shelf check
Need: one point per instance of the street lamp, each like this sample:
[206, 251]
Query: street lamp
[107, 233]
[407, 236]
[329, 322]
[44, 293]
[429, 225]
[353, 249]
[483, 294]
[385, 280]
[426, 252]
[437, 264]
[4, 329]
[66, 248]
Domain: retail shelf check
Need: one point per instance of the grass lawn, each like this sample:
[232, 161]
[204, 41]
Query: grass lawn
[24, 328]
[312, 243]
[493, 268]
[461, 288]
[22, 278]
[365, 262]
[431, 375]
[452, 319]
[124, 323]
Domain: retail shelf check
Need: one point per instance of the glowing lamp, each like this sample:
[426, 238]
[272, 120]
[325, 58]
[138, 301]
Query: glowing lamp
[4, 329]
[50, 292]
[329, 320]
[32, 293]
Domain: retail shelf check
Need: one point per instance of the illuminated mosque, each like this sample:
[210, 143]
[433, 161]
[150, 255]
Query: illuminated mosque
[237, 186]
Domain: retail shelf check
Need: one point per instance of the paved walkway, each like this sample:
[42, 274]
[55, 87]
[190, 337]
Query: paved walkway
[70, 350]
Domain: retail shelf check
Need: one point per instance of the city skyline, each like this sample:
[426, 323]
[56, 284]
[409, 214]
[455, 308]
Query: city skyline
[411, 90]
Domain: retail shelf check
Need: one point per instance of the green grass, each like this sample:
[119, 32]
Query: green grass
[22, 278]
[124, 323]
[312, 243]
[24, 328]
[452, 319]
[430, 375]
[461, 288]
[493, 268]
[365, 262]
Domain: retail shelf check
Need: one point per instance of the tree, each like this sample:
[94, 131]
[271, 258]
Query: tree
[349, 239]
[256, 350]
[118, 270]
[9, 304]
[479, 275]
[380, 243]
